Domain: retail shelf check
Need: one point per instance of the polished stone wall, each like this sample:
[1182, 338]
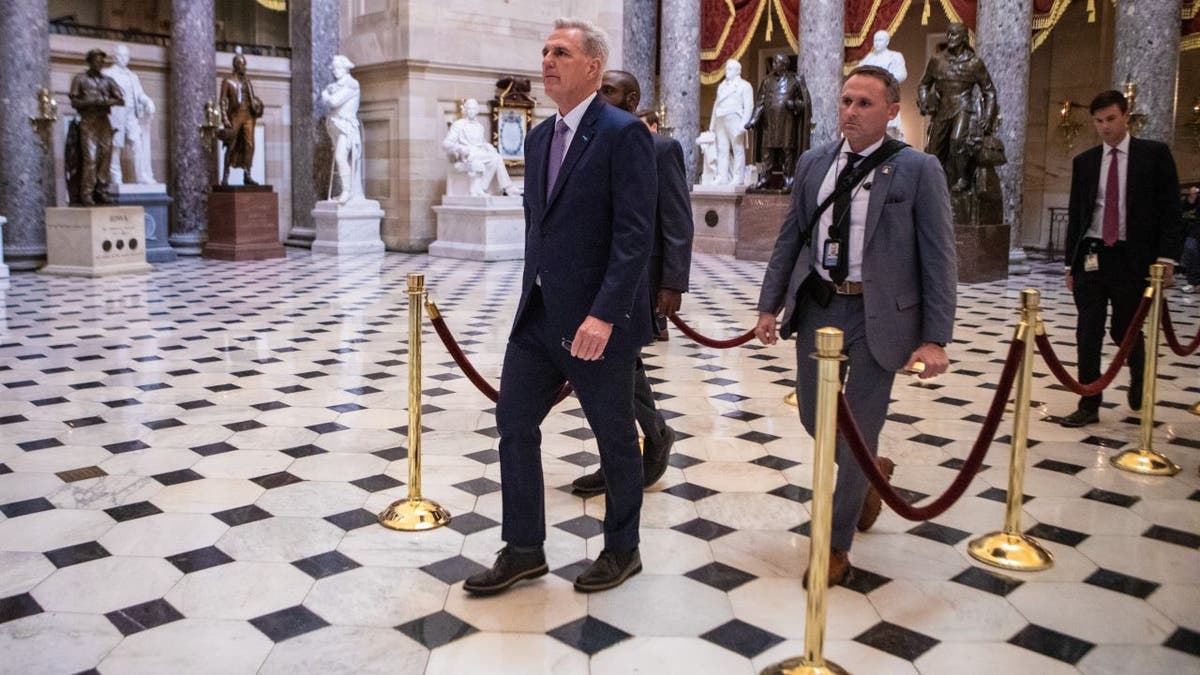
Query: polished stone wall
[24, 51]
[821, 56]
[314, 40]
[1147, 54]
[641, 46]
[193, 69]
[679, 55]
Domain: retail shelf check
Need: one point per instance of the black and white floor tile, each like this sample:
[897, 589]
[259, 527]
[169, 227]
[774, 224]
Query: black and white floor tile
[191, 462]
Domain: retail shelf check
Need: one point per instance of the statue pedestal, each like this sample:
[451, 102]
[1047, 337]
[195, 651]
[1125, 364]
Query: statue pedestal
[95, 241]
[347, 229]
[715, 213]
[761, 217]
[480, 228]
[3, 267]
[152, 197]
[243, 223]
[982, 252]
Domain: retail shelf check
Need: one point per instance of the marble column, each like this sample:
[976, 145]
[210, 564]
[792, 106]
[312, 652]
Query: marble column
[314, 39]
[26, 168]
[640, 46]
[1003, 42]
[1147, 54]
[821, 55]
[193, 80]
[679, 55]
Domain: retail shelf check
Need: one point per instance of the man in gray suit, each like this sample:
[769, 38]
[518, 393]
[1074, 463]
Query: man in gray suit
[867, 246]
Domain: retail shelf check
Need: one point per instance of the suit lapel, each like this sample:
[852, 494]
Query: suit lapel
[537, 155]
[579, 144]
[878, 195]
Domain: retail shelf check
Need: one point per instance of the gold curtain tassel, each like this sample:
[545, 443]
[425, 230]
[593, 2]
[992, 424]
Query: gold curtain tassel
[925, 14]
[770, 23]
[1091, 10]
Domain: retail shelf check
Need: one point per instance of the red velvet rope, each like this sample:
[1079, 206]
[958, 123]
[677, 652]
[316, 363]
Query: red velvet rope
[709, 342]
[858, 447]
[1169, 332]
[1092, 388]
[484, 387]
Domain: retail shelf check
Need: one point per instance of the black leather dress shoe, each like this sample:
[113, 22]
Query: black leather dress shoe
[1080, 418]
[1134, 396]
[591, 484]
[510, 568]
[656, 457]
[609, 571]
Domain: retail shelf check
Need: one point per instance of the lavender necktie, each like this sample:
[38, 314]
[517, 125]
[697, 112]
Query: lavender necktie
[558, 147]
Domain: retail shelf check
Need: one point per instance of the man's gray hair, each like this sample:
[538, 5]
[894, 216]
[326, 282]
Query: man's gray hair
[595, 40]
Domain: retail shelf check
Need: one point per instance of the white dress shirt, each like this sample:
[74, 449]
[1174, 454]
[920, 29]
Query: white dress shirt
[859, 199]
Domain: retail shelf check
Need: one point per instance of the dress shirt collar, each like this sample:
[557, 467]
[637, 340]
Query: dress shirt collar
[866, 152]
[1122, 147]
[575, 116]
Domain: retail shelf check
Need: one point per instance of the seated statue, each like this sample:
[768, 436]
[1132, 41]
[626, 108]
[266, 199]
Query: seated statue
[467, 147]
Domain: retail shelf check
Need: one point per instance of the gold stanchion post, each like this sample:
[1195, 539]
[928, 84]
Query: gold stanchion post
[414, 513]
[1011, 549]
[829, 384]
[790, 398]
[1146, 460]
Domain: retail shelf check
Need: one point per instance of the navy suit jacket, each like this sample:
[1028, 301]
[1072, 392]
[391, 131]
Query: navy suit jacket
[671, 256]
[589, 240]
[1153, 224]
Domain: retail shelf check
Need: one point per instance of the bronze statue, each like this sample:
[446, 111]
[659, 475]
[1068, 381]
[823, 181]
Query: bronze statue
[239, 109]
[781, 116]
[90, 140]
[957, 92]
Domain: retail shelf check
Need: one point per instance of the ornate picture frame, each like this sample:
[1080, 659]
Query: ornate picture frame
[510, 124]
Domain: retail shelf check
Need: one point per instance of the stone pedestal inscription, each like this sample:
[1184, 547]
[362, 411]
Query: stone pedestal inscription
[243, 223]
[95, 241]
[758, 227]
[347, 229]
[982, 252]
[480, 228]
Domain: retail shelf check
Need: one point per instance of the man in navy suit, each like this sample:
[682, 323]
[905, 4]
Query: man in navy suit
[584, 312]
[1123, 214]
[670, 263]
[867, 246]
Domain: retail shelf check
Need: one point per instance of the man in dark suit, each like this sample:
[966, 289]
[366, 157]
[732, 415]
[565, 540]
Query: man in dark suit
[584, 312]
[670, 263]
[878, 262]
[1123, 214]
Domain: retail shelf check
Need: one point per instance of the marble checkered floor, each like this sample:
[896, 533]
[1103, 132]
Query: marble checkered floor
[192, 461]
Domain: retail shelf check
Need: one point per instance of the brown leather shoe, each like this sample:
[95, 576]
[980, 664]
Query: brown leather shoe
[839, 568]
[873, 503]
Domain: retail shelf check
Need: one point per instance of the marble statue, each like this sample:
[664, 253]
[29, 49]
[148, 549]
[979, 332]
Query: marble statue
[957, 93]
[730, 112]
[781, 113]
[893, 62]
[131, 122]
[707, 142]
[239, 110]
[467, 147]
[89, 141]
[345, 132]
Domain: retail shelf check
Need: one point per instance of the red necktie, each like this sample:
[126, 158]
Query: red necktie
[1112, 202]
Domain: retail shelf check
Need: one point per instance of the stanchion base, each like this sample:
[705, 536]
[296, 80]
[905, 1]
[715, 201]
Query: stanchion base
[1196, 408]
[1145, 462]
[1015, 552]
[798, 666]
[414, 515]
[790, 399]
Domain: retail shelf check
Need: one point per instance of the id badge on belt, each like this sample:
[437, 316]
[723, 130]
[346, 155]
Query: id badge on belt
[1091, 262]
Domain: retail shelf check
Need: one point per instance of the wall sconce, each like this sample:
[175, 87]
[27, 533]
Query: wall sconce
[47, 111]
[212, 122]
[1136, 119]
[1068, 128]
[1193, 126]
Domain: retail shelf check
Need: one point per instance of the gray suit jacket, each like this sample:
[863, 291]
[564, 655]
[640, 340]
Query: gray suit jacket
[909, 264]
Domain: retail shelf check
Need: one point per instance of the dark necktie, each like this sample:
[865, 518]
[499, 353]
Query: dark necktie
[839, 231]
[1112, 202]
[558, 147]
